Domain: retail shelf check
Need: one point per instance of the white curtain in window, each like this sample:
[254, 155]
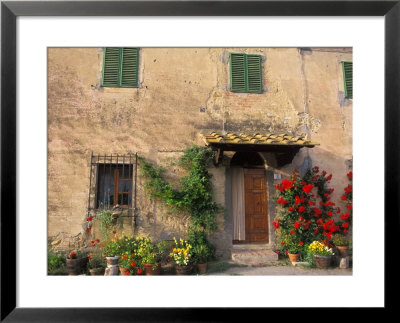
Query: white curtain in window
[238, 210]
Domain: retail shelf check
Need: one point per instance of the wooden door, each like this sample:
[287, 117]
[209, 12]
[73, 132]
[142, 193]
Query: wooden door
[256, 219]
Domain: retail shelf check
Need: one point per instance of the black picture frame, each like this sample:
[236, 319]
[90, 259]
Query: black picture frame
[10, 10]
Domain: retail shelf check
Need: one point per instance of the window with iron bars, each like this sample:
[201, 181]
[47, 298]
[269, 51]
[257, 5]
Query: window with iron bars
[111, 181]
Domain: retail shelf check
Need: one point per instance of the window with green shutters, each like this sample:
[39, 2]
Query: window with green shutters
[120, 67]
[348, 79]
[245, 73]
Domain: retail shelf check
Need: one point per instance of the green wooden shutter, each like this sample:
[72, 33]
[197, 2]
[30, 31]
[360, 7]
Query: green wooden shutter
[129, 67]
[120, 67]
[348, 79]
[238, 72]
[254, 74]
[111, 62]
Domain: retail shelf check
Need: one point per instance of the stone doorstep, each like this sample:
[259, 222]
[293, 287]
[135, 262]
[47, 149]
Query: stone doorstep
[253, 256]
[251, 246]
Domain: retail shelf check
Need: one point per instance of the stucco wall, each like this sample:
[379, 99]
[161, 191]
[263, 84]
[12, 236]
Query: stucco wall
[181, 92]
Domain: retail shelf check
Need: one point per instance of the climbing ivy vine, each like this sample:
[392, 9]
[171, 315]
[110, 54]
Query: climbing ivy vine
[194, 192]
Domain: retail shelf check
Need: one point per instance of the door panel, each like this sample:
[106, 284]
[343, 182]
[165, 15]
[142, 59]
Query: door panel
[255, 205]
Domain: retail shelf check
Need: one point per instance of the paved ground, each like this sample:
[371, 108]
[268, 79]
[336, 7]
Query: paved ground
[227, 268]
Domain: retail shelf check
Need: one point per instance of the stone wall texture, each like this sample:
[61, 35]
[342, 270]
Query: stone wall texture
[181, 92]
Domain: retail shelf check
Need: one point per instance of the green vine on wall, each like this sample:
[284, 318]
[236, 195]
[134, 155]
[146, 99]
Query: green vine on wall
[194, 192]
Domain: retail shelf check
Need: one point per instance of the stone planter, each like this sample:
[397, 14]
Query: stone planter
[96, 271]
[322, 262]
[112, 266]
[76, 266]
[148, 269]
[202, 268]
[183, 270]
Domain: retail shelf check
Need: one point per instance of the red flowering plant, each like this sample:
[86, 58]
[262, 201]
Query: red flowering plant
[75, 254]
[130, 257]
[306, 210]
[95, 257]
[346, 217]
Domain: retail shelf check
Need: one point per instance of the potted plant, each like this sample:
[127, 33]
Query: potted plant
[181, 254]
[130, 260]
[321, 253]
[201, 254]
[151, 255]
[293, 247]
[96, 260]
[76, 262]
[341, 243]
[111, 252]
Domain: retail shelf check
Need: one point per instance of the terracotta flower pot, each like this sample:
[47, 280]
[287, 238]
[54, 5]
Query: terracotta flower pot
[183, 270]
[343, 250]
[322, 262]
[148, 269]
[124, 271]
[96, 271]
[202, 268]
[294, 257]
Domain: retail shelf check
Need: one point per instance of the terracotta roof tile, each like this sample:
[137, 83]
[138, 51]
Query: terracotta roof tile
[257, 139]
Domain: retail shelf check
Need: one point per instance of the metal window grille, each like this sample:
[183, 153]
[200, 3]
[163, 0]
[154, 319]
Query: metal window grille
[112, 182]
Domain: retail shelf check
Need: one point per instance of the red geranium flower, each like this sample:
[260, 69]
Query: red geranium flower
[276, 224]
[345, 225]
[348, 189]
[349, 207]
[133, 264]
[330, 213]
[329, 177]
[345, 216]
[281, 201]
[90, 218]
[124, 257]
[287, 184]
[301, 209]
[301, 243]
[323, 172]
[279, 187]
[344, 197]
[308, 188]
[296, 225]
[89, 257]
[292, 232]
[286, 252]
[126, 273]
[89, 228]
[350, 174]
[139, 271]
[291, 208]
[316, 169]
[298, 200]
